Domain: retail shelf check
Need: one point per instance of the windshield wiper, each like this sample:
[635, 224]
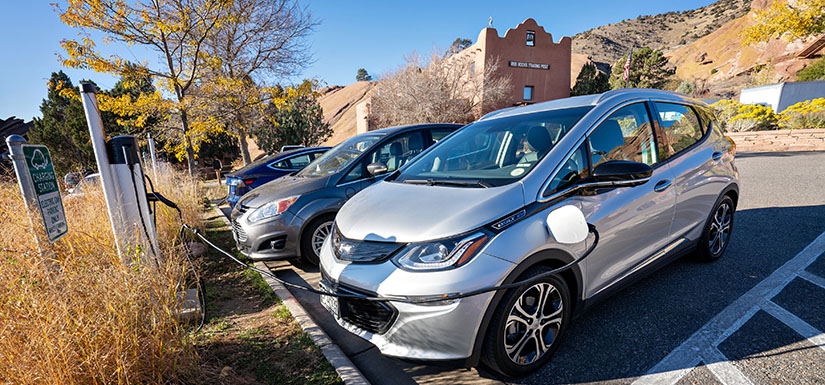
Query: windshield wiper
[449, 182]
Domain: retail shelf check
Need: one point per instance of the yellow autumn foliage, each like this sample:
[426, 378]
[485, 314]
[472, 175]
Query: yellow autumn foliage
[735, 116]
[782, 19]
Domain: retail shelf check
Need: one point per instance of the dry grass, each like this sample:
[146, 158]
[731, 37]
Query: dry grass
[92, 319]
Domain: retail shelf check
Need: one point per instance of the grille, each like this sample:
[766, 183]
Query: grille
[375, 317]
[372, 316]
[240, 234]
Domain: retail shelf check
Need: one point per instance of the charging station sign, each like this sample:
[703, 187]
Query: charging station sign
[47, 190]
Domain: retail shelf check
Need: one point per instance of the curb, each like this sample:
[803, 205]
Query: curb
[343, 366]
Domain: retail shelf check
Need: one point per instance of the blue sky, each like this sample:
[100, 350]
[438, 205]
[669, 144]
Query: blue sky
[371, 34]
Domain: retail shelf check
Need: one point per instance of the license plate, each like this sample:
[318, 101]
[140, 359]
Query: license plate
[328, 302]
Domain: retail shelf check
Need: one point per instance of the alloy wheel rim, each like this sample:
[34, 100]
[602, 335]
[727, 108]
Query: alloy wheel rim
[533, 323]
[318, 237]
[720, 228]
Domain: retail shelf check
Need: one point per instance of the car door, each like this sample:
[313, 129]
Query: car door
[633, 222]
[394, 152]
[692, 161]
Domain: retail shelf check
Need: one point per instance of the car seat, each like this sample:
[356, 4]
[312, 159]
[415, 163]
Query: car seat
[607, 142]
[396, 158]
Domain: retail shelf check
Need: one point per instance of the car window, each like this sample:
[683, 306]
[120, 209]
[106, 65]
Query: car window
[680, 127]
[625, 135]
[707, 118]
[439, 133]
[394, 154]
[282, 164]
[340, 156]
[572, 171]
[495, 151]
[299, 161]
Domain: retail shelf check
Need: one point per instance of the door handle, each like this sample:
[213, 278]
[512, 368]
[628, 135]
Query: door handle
[662, 185]
[716, 155]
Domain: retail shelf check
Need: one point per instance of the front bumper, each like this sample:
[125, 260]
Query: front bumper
[272, 239]
[440, 331]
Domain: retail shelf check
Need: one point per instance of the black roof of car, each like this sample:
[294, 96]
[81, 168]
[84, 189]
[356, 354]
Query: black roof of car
[273, 157]
[393, 130]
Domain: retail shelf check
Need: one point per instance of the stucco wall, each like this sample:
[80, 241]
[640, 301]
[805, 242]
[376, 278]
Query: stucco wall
[780, 140]
[548, 84]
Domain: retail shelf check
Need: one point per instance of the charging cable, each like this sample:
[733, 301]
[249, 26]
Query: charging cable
[424, 300]
[432, 299]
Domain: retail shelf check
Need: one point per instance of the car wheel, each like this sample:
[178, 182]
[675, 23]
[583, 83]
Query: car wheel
[716, 235]
[527, 326]
[313, 238]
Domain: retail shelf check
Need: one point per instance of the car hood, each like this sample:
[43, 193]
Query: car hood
[281, 188]
[400, 212]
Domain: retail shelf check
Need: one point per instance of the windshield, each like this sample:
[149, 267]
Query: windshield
[493, 152]
[339, 156]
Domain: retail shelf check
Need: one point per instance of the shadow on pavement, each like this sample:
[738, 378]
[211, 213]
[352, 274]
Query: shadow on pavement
[623, 337]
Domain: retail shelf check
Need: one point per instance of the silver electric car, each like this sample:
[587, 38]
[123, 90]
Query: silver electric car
[649, 172]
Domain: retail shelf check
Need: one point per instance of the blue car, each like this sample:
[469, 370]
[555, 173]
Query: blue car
[267, 169]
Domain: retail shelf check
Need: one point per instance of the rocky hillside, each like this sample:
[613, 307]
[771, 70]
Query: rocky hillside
[666, 31]
[724, 66]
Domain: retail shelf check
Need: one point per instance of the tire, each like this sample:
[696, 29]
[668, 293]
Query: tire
[313, 236]
[713, 243]
[509, 347]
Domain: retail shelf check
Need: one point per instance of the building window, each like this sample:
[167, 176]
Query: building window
[528, 92]
[531, 38]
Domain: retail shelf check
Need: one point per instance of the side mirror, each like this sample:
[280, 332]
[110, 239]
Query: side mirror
[620, 173]
[567, 225]
[377, 168]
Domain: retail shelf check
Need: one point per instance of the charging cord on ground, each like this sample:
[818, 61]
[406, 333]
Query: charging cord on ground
[432, 299]
[155, 196]
[444, 297]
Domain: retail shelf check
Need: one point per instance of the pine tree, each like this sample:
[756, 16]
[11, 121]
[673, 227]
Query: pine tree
[590, 81]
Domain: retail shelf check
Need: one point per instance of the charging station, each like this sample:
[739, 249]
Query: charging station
[121, 176]
[122, 180]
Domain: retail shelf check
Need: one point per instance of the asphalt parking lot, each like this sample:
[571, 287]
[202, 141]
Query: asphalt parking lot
[755, 316]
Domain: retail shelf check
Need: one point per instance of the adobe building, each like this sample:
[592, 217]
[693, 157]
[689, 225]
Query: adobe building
[539, 69]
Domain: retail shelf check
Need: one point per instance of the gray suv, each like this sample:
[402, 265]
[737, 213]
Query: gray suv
[631, 179]
[291, 216]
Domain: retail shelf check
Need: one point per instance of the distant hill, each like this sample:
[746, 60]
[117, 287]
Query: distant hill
[338, 104]
[666, 31]
[719, 60]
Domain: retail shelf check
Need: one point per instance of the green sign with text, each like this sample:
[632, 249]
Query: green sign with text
[41, 169]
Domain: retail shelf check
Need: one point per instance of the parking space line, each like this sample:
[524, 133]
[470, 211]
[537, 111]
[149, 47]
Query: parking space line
[816, 337]
[670, 375]
[812, 278]
[704, 341]
[725, 371]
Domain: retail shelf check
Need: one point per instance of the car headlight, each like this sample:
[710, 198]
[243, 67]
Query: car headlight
[271, 209]
[441, 254]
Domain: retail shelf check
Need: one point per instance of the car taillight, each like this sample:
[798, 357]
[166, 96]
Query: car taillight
[249, 181]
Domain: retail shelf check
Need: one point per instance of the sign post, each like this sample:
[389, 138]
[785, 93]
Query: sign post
[46, 189]
[38, 186]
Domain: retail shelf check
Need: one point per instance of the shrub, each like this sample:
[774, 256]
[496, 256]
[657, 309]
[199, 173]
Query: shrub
[807, 114]
[91, 318]
[734, 116]
[753, 117]
[685, 87]
[815, 71]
